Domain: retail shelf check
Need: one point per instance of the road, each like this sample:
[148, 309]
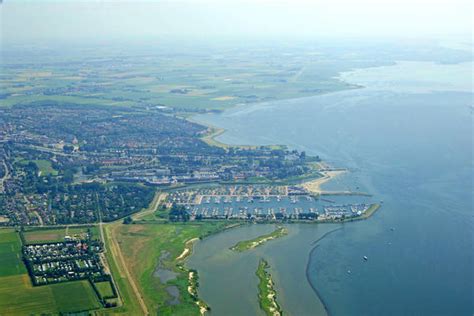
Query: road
[117, 253]
[157, 199]
[5, 176]
[122, 266]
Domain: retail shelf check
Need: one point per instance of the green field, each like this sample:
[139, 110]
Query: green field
[47, 235]
[19, 297]
[10, 254]
[45, 168]
[186, 82]
[105, 289]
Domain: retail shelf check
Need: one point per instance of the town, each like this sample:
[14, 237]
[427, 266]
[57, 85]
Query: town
[69, 164]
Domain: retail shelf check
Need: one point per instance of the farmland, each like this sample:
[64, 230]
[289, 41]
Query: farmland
[212, 80]
[19, 297]
[10, 253]
[48, 235]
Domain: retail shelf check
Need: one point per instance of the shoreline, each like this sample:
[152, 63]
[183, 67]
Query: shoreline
[328, 174]
[193, 283]
[213, 132]
[313, 186]
[188, 249]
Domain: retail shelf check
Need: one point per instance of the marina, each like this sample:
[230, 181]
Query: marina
[266, 203]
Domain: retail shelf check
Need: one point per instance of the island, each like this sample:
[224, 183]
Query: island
[260, 240]
[266, 292]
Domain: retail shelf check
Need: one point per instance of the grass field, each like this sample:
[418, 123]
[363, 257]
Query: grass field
[19, 297]
[142, 245]
[46, 235]
[10, 254]
[105, 289]
[45, 168]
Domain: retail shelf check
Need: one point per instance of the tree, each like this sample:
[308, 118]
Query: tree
[127, 220]
[178, 213]
[68, 149]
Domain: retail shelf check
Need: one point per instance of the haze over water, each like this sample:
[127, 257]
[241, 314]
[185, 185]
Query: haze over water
[411, 148]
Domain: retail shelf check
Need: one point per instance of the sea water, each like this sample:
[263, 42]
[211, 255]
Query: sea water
[406, 138]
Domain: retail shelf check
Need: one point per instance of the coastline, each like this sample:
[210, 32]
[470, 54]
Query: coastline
[188, 248]
[314, 186]
[193, 274]
[213, 132]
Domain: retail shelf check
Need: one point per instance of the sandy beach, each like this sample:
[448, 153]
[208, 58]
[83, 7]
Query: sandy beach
[187, 250]
[314, 186]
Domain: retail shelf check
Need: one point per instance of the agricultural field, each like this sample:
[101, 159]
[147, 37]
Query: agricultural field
[152, 247]
[48, 235]
[206, 80]
[10, 254]
[19, 297]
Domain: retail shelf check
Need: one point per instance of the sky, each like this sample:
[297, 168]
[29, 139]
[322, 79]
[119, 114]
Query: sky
[37, 21]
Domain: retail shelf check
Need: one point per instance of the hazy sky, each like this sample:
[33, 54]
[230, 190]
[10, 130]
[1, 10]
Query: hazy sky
[37, 20]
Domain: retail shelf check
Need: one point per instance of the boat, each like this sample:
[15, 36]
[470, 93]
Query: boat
[365, 258]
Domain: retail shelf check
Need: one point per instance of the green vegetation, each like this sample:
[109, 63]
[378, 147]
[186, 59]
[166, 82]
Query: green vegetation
[105, 289]
[45, 168]
[220, 79]
[266, 291]
[144, 246]
[260, 240]
[10, 254]
[19, 297]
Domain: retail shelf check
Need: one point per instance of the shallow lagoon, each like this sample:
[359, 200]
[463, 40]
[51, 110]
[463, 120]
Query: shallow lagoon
[411, 149]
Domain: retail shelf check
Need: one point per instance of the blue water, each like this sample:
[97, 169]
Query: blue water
[411, 148]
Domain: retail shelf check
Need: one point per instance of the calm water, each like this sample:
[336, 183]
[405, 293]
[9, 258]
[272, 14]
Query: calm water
[407, 139]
